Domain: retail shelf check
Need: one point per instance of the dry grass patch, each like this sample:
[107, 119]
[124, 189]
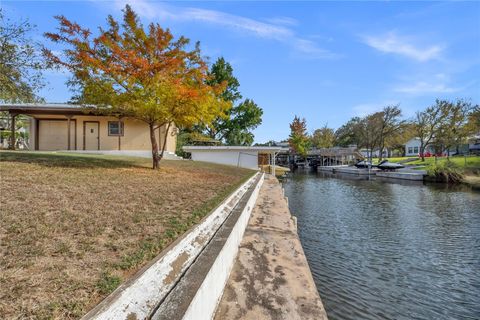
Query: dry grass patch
[73, 227]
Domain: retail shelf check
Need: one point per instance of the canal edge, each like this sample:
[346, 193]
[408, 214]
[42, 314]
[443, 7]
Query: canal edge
[271, 278]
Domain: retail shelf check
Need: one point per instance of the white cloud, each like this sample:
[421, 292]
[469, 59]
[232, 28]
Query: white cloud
[277, 28]
[261, 29]
[364, 109]
[438, 83]
[425, 87]
[392, 43]
[311, 49]
[286, 21]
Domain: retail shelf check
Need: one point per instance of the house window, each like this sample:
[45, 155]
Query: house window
[410, 150]
[415, 150]
[115, 128]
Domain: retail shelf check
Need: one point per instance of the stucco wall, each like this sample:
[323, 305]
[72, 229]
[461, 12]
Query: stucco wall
[171, 139]
[136, 134]
[238, 158]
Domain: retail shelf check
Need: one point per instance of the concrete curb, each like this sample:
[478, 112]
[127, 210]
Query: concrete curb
[139, 297]
[199, 291]
[210, 293]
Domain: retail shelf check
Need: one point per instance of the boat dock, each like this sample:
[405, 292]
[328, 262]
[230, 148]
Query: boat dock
[403, 174]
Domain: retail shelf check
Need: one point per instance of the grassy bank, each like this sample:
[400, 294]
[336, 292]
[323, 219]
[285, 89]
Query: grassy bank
[73, 227]
[468, 167]
[469, 162]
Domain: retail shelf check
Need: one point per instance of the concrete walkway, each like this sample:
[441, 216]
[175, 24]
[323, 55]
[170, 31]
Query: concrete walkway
[271, 278]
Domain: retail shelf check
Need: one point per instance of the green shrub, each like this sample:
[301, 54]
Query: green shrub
[445, 171]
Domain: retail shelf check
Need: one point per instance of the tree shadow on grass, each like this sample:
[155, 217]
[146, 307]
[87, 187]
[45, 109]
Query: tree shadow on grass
[73, 160]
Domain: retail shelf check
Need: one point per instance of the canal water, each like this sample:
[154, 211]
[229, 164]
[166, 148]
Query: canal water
[386, 250]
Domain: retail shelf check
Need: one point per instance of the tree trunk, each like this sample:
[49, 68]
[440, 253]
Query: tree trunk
[380, 153]
[422, 152]
[153, 140]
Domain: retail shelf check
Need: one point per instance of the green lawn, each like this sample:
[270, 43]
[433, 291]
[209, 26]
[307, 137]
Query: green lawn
[73, 227]
[463, 162]
[472, 162]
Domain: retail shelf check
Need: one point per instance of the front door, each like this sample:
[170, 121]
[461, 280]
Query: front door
[91, 135]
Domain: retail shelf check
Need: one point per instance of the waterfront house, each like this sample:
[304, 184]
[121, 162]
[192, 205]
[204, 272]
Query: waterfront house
[474, 144]
[412, 148]
[74, 127]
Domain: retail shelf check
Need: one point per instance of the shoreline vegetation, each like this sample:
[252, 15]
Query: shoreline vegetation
[455, 169]
[74, 227]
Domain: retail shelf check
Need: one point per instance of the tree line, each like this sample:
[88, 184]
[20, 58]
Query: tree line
[445, 125]
[128, 70]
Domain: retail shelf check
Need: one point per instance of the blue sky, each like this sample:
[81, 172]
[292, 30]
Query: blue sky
[325, 61]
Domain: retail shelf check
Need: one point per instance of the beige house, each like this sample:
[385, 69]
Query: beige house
[72, 127]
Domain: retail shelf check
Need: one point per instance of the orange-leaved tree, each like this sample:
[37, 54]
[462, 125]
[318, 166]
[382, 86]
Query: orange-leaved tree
[139, 73]
[298, 139]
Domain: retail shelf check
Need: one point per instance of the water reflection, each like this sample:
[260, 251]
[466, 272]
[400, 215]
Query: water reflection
[389, 250]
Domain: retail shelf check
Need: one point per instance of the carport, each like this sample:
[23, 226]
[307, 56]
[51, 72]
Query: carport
[239, 156]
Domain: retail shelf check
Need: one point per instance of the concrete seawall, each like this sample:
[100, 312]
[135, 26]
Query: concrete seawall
[271, 278]
[246, 251]
[144, 293]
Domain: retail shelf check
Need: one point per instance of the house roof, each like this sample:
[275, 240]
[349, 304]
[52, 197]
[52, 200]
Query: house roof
[45, 108]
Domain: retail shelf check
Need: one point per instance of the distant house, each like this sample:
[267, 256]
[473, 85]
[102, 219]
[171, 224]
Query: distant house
[474, 144]
[72, 127]
[412, 148]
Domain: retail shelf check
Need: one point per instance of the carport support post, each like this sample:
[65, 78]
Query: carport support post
[69, 118]
[273, 164]
[120, 132]
[12, 131]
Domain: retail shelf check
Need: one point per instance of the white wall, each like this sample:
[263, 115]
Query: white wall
[410, 147]
[243, 159]
[203, 305]
[415, 143]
